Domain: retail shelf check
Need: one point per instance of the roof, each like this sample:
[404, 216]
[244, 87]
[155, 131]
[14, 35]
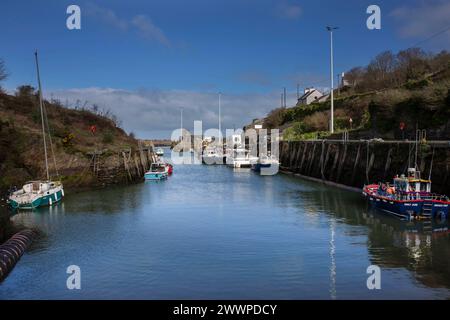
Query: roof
[306, 95]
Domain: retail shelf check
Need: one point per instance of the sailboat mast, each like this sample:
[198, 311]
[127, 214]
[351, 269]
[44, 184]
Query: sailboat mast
[42, 114]
[181, 124]
[220, 122]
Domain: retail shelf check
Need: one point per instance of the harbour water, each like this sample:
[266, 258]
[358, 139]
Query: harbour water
[211, 232]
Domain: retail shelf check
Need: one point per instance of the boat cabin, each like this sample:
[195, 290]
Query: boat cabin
[157, 167]
[412, 182]
[37, 186]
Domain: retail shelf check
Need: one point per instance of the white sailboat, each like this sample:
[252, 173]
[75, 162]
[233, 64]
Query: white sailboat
[213, 154]
[39, 193]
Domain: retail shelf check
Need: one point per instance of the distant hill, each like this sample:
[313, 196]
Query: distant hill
[75, 134]
[412, 87]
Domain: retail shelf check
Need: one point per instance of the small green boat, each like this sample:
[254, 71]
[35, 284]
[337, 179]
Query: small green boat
[36, 194]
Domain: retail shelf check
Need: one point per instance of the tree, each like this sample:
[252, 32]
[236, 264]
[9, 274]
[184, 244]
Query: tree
[413, 63]
[3, 72]
[275, 118]
[25, 91]
[381, 67]
[354, 76]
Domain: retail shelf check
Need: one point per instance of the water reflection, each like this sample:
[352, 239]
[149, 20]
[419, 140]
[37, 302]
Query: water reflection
[214, 232]
[422, 247]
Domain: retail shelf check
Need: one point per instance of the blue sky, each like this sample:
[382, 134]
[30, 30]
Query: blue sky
[145, 60]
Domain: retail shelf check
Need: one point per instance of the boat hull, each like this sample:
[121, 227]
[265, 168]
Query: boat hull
[400, 209]
[42, 201]
[155, 175]
[258, 166]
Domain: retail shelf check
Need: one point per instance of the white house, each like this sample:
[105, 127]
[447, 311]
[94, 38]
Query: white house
[312, 95]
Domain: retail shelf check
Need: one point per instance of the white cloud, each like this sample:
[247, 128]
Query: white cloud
[424, 20]
[148, 30]
[140, 23]
[290, 11]
[156, 113]
[107, 16]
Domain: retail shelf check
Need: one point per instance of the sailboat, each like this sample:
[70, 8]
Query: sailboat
[39, 193]
[213, 154]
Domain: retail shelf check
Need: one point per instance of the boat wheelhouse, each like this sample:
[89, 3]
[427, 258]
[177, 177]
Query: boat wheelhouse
[408, 197]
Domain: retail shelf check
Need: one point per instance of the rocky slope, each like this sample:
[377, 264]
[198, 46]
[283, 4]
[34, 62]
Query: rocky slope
[76, 136]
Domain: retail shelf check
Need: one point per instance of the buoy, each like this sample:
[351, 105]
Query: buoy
[50, 200]
[13, 249]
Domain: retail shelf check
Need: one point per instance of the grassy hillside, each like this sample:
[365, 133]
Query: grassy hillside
[414, 90]
[21, 142]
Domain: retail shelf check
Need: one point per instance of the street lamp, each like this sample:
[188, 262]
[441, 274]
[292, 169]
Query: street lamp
[330, 29]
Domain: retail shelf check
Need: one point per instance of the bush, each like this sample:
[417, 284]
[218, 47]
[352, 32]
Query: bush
[275, 118]
[317, 121]
[108, 137]
[67, 140]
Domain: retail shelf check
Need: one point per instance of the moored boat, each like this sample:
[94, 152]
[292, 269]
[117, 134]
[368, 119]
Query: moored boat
[212, 155]
[159, 152]
[264, 164]
[408, 197]
[169, 168]
[36, 194]
[158, 171]
[39, 193]
[241, 158]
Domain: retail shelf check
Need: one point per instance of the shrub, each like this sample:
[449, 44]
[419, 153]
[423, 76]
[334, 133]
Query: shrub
[108, 137]
[275, 118]
[67, 140]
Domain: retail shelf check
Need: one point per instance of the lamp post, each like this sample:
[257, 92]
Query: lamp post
[330, 29]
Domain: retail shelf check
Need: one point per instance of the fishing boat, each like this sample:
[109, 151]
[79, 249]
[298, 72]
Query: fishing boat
[159, 152]
[39, 193]
[158, 171]
[408, 197]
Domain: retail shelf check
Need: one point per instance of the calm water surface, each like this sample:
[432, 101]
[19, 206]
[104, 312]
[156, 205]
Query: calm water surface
[212, 232]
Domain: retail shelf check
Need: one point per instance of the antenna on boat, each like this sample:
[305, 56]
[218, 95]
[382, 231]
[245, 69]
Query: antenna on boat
[42, 113]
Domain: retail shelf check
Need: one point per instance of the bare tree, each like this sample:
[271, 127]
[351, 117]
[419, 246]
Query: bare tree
[382, 66]
[354, 76]
[413, 62]
[3, 72]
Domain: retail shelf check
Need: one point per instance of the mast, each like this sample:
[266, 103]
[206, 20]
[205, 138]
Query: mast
[42, 114]
[181, 124]
[220, 124]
